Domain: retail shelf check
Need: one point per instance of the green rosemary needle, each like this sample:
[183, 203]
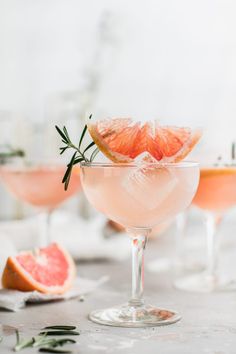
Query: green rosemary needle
[59, 333]
[53, 350]
[7, 152]
[65, 327]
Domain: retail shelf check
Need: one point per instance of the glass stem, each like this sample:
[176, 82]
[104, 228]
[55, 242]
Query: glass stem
[45, 228]
[212, 222]
[139, 240]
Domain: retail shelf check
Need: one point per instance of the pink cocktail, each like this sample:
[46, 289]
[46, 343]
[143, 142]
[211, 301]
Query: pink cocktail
[216, 191]
[138, 196]
[215, 195]
[39, 184]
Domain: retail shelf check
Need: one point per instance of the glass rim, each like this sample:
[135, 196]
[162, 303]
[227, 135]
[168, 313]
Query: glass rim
[216, 166]
[180, 164]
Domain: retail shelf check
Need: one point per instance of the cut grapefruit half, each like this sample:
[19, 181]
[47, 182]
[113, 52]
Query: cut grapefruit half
[49, 270]
[123, 140]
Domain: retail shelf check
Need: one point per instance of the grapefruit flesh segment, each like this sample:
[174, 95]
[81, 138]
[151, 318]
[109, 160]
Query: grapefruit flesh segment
[123, 140]
[48, 270]
[115, 138]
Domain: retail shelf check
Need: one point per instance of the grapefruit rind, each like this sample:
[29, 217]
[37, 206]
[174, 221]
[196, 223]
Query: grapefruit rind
[16, 277]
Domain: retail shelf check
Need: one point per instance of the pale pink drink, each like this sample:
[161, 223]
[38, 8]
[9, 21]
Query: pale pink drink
[215, 195]
[138, 196]
[141, 197]
[217, 189]
[39, 184]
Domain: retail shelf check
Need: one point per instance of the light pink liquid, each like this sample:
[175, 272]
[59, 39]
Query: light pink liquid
[139, 197]
[217, 189]
[40, 186]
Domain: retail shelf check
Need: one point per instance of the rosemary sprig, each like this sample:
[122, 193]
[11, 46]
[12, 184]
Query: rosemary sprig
[7, 152]
[45, 343]
[79, 154]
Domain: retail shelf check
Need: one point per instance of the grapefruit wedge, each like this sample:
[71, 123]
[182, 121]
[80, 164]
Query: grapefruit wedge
[49, 270]
[123, 140]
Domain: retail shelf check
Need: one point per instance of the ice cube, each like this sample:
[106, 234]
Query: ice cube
[150, 186]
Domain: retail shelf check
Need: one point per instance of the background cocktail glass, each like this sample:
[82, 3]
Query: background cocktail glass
[38, 183]
[138, 197]
[216, 194]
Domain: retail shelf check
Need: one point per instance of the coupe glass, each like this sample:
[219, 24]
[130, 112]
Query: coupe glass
[216, 194]
[138, 196]
[38, 183]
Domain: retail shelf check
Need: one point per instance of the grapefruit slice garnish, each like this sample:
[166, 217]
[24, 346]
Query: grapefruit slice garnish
[123, 140]
[49, 270]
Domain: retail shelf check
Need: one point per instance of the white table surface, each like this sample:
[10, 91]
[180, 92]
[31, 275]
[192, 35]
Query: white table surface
[208, 322]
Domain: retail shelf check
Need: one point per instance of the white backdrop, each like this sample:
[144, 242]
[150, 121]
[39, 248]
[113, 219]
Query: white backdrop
[174, 60]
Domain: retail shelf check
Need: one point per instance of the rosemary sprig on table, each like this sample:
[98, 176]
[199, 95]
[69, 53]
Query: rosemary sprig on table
[79, 154]
[45, 342]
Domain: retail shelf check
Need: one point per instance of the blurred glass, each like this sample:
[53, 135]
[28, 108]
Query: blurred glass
[15, 134]
[38, 183]
[216, 195]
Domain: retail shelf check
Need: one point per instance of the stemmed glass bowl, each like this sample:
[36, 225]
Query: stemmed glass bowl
[138, 196]
[215, 196]
[37, 182]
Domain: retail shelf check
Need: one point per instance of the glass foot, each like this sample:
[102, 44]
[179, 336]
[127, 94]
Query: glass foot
[134, 316]
[204, 283]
